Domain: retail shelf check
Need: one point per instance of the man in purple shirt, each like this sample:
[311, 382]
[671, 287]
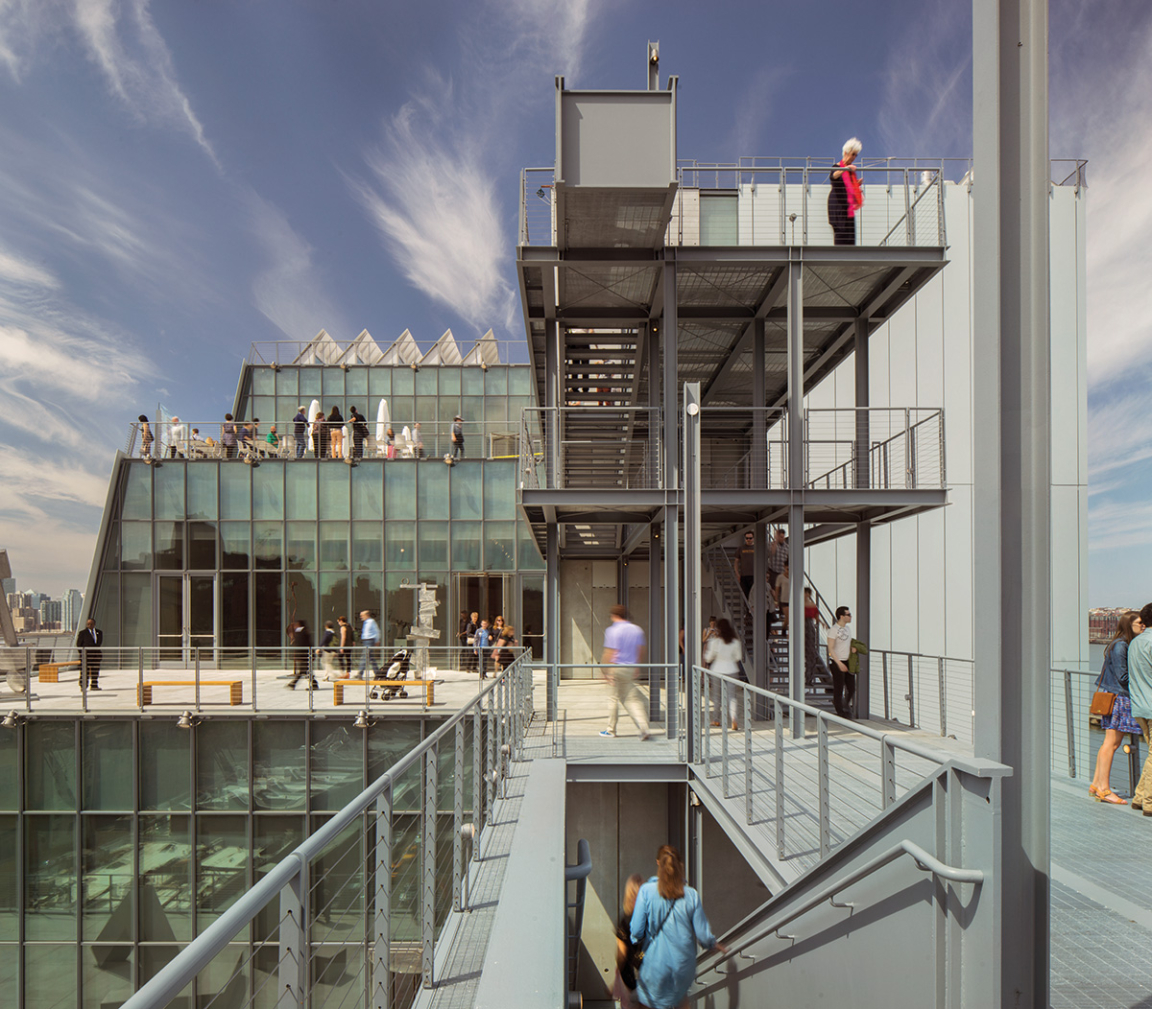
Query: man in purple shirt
[624, 647]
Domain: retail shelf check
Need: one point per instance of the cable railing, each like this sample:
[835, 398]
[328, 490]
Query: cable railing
[255, 441]
[190, 674]
[879, 448]
[358, 912]
[743, 448]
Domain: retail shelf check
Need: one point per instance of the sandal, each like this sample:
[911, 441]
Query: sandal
[1106, 795]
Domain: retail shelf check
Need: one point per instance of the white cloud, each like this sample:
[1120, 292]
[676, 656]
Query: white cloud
[437, 177]
[23, 272]
[754, 108]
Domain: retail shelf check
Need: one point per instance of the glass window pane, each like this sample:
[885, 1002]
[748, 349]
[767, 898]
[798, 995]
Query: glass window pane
[111, 547]
[426, 381]
[107, 880]
[273, 838]
[106, 762]
[433, 544]
[235, 551]
[107, 609]
[136, 609]
[333, 386]
[288, 383]
[380, 383]
[500, 490]
[334, 498]
[165, 769]
[520, 381]
[530, 556]
[263, 381]
[268, 490]
[202, 546]
[301, 503]
[449, 381]
[50, 765]
[444, 621]
[278, 780]
[432, 497]
[718, 220]
[201, 489]
[496, 382]
[337, 772]
[9, 911]
[388, 742]
[169, 552]
[268, 623]
[495, 415]
[466, 546]
[333, 601]
[367, 546]
[234, 617]
[263, 408]
[301, 546]
[135, 545]
[166, 878]
[222, 860]
[367, 492]
[309, 383]
[9, 780]
[402, 382]
[50, 879]
[399, 545]
[356, 384]
[400, 608]
[400, 411]
[472, 381]
[267, 544]
[466, 493]
[137, 493]
[334, 545]
[368, 594]
[472, 410]
[168, 490]
[300, 596]
[235, 492]
[222, 764]
[43, 975]
[400, 491]
[499, 546]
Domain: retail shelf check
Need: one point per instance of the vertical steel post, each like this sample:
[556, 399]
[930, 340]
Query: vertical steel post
[724, 734]
[693, 549]
[747, 755]
[457, 815]
[28, 679]
[862, 615]
[887, 773]
[758, 660]
[943, 704]
[477, 773]
[552, 618]
[293, 970]
[428, 866]
[196, 661]
[911, 694]
[797, 480]
[884, 673]
[1069, 724]
[671, 414]
[823, 784]
[382, 910]
[1011, 468]
[778, 710]
[489, 780]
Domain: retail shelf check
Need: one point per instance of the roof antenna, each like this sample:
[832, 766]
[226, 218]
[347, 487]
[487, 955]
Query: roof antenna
[654, 66]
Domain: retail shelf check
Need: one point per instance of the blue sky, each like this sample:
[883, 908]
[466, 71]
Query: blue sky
[180, 180]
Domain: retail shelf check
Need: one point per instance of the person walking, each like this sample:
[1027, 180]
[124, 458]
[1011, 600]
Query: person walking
[300, 638]
[345, 653]
[481, 648]
[470, 629]
[177, 439]
[1140, 695]
[667, 923]
[300, 431]
[145, 439]
[89, 641]
[327, 652]
[814, 667]
[839, 649]
[359, 432]
[777, 557]
[1118, 722]
[457, 437]
[624, 648]
[725, 655]
[627, 953]
[369, 638]
[746, 564]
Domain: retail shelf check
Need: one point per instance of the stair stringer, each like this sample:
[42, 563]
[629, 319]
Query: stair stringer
[907, 936]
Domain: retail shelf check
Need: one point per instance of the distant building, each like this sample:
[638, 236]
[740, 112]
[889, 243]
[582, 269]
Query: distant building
[51, 614]
[73, 606]
[7, 586]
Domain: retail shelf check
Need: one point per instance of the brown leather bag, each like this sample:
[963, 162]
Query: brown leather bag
[1102, 702]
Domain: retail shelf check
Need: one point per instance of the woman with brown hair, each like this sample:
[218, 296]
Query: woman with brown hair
[667, 923]
[1119, 721]
[627, 954]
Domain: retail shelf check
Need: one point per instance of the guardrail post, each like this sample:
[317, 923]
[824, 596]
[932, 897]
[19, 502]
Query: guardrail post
[823, 784]
[293, 972]
[908, 235]
[489, 780]
[887, 773]
[1068, 722]
[382, 911]
[943, 705]
[747, 755]
[28, 677]
[705, 694]
[911, 696]
[724, 733]
[779, 719]
[884, 673]
[477, 774]
[428, 858]
[196, 661]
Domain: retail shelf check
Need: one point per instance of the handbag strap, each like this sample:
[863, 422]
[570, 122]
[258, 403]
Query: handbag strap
[667, 915]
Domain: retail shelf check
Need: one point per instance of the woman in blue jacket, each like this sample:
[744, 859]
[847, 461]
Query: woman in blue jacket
[1114, 679]
[667, 923]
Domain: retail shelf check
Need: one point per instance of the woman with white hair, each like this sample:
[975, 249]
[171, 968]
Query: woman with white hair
[846, 197]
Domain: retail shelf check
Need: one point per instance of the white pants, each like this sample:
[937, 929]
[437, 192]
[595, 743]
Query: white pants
[622, 681]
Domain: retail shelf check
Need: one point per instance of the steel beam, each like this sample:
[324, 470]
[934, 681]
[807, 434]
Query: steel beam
[1012, 486]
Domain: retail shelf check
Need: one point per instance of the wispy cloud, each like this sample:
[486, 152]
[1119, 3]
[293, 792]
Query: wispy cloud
[121, 39]
[754, 108]
[433, 192]
[289, 290]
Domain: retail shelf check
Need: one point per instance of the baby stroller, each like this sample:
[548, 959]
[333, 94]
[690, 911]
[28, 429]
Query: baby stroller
[397, 670]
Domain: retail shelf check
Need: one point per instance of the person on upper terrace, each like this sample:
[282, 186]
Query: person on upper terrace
[272, 437]
[336, 433]
[177, 439]
[228, 436]
[300, 430]
[145, 439]
[846, 197]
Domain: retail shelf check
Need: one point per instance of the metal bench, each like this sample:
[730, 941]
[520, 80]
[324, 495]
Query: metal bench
[235, 688]
[428, 685]
[50, 671]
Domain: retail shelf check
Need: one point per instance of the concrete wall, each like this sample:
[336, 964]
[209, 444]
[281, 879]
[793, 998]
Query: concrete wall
[588, 590]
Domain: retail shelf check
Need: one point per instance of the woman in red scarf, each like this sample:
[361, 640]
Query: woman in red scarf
[846, 197]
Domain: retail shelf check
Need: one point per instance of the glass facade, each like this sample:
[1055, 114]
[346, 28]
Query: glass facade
[218, 554]
[128, 838]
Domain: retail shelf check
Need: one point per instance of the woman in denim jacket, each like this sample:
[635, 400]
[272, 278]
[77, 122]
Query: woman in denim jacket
[1114, 679]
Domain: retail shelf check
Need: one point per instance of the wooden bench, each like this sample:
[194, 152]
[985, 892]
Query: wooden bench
[235, 688]
[50, 671]
[338, 687]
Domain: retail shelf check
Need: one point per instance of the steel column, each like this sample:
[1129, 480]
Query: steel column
[758, 660]
[862, 615]
[293, 971]
[1011, 461]
[552, 617]
[428, 866]
[671, 415]
[382, 920]
[692, 533]
[797, 478]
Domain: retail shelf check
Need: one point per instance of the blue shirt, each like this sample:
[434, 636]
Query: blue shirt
[369, 630]
[1140, 674]
[482, 634]
[626, 640]
[1114, 673]
[670, 958]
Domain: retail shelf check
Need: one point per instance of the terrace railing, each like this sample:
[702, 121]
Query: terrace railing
[879, 448]
[743, 448]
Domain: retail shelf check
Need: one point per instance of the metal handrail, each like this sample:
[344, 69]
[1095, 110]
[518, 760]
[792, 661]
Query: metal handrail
[172, 978]
[924, 861]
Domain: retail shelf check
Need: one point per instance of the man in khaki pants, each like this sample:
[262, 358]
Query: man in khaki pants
[1140, 693]
[624, 648]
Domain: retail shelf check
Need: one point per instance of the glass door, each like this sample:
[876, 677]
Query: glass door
[185, 618]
